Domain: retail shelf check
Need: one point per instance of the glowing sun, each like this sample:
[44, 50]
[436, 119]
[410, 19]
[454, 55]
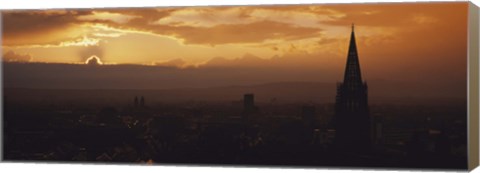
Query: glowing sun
[93, 60]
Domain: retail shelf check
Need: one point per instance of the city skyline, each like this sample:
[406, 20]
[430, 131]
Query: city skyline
[98, 86]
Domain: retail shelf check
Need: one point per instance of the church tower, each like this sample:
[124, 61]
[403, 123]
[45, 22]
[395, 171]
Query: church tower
[351, 119]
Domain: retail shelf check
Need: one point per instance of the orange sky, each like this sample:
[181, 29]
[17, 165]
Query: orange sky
[195, 35]
[416, 44]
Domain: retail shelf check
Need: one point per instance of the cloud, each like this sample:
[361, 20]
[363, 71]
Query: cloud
[205, 17]
[52, 27]
[309, 28]
[144, 14]
[38, 27]
[83, 41]
[256, 32]
[192, 25]
[110, 35]
[12, 56]
[21, 22]
[395, 14]
[107, 16]
[304, 16]
[243, 24]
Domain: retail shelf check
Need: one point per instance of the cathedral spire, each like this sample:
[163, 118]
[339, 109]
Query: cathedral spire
[352, 119]
[353, 75]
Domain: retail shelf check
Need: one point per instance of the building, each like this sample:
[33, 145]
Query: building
[308, 116]
[142, 102]
[351, 120]
[135, 102]
[249, 104]
[377, 130]
[139, 102]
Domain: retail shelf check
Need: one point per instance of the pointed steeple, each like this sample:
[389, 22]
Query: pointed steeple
[353, 76]
[352, 117]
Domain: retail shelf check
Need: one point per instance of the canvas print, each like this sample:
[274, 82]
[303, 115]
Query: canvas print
[380, 85]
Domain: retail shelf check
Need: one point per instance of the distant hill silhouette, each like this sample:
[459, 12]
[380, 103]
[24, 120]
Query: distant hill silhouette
[245, 61]
[119, 83]
[281, 92]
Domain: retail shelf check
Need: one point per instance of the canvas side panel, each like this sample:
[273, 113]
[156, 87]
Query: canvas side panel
[473, 90]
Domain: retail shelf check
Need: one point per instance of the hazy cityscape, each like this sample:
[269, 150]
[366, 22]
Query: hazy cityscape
[236, 132]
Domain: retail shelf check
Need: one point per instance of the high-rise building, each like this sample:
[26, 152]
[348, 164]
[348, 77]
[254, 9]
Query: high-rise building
[351, 119]
[377, 130]
[142, 102]
[308, 115]
[249, 103]
[135, 101]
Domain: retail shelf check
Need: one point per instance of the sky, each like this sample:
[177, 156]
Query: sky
[410, 42]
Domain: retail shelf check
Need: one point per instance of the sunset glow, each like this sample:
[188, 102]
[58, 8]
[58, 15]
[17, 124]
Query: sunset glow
[197, 34]
[93, 60]
[390, 37]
